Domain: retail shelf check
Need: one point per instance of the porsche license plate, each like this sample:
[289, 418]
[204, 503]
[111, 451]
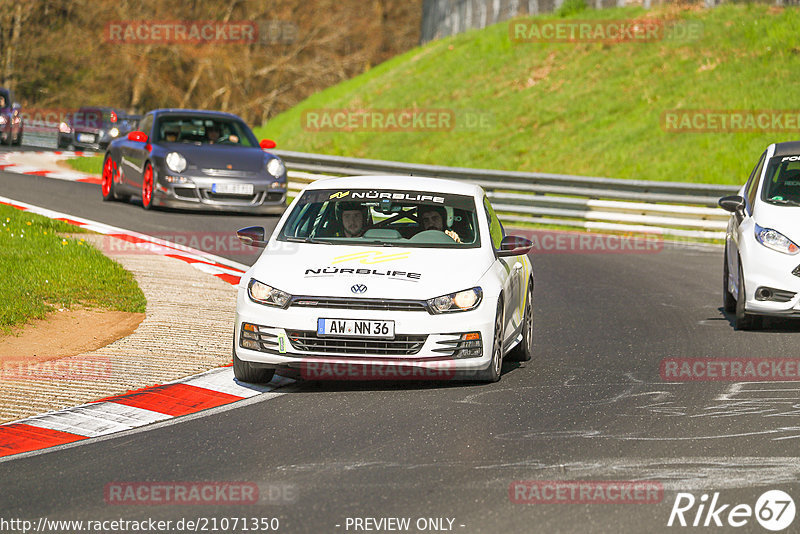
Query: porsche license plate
[85, 138]
[355, 328]
[232, 189]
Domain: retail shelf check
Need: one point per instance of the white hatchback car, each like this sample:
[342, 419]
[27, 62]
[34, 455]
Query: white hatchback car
[761, 273]
[392, 273]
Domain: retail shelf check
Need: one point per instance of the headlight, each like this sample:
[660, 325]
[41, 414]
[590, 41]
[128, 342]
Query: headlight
[456, 302]
[3, 119]
[176, 162]
[64, 128]
[113, 132]
[775, 240]
[264, 294]
[276, 167]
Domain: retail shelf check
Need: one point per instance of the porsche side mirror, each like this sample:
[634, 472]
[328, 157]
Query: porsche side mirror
[513, 245]
[137, 137]
[254, 236]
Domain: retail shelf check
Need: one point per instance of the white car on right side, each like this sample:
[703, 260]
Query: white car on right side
[761, 273]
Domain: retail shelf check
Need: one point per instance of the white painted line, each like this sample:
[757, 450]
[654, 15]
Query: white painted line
[222, 381]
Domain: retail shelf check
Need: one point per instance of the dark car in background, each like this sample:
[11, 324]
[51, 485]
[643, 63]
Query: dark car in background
[93, 128]
[193, 159]
[10, 119]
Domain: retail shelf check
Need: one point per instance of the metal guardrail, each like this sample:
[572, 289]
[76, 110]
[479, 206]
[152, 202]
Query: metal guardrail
[674, 208]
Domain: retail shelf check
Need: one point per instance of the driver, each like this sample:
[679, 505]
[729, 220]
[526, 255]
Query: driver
[171, 135]
[213, 133]
[433, 218]
[353, 219]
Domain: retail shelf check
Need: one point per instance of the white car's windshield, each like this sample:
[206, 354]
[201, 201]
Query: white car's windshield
[782, 181]
[383, 217]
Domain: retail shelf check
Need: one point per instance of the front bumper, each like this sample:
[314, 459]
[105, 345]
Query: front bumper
[765, 268]
[198, 195]
[427, 337]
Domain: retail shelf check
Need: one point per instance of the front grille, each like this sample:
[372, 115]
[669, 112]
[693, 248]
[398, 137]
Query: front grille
[401, 345]
[238, 199]
[359, 304]
[185, 192]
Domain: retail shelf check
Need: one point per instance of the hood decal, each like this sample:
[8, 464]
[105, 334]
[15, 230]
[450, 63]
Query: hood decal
[370, 257]
[350, 272]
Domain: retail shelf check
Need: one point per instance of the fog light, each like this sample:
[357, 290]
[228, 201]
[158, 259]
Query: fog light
[470, 346]
[250, 344]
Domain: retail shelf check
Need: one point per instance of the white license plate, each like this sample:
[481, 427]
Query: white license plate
[85, 138]
[355, 328]
[232, 189]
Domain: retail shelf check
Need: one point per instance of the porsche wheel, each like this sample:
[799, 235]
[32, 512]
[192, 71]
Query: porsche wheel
[147, 187]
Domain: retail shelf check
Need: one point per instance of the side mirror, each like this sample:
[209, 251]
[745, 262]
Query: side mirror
[733, 203]
[513, 245]
[137, 137]
[266, 144]
[254, 236]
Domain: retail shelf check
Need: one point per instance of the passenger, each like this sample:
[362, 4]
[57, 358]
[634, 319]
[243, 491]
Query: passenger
[171, 136]
[434, 218]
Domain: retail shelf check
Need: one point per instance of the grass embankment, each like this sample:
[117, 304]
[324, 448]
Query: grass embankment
[42, 270]
[577, 108]
[92, 165]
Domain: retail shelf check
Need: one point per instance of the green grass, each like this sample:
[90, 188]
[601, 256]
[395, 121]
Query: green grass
[92, 165]
[587, 108]
[41, 269]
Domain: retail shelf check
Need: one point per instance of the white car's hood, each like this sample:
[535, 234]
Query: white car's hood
[784, 219]
[387, 272]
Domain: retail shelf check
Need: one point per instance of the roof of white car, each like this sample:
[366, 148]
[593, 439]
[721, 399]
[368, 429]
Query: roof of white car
[401, 183]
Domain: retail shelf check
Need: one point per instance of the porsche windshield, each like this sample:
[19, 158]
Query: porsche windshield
[384, 218]
[782, 181]
[203, 131]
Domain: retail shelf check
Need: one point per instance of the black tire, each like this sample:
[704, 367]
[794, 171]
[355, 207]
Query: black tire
[745, 321]
[18, 142]
[493, 371]
[728, 302]
[524, 351]
[245, 372]
[7, 141]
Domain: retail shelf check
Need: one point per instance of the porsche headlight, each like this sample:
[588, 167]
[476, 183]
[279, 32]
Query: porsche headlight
[276, 168]
[468, 299]
[64, 128]
[176, 162]
[775, 240]
[267, 295]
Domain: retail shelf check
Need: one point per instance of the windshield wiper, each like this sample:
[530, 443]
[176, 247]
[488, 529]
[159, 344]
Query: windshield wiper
[784, 201]
[312, 240]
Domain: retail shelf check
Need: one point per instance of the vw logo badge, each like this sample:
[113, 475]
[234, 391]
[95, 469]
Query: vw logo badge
[359, 288]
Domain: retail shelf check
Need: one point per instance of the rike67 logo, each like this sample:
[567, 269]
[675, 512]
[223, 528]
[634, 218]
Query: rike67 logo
[774, 510]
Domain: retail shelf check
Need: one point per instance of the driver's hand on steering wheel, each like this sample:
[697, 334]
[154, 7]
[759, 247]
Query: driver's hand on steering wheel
[453, 236]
